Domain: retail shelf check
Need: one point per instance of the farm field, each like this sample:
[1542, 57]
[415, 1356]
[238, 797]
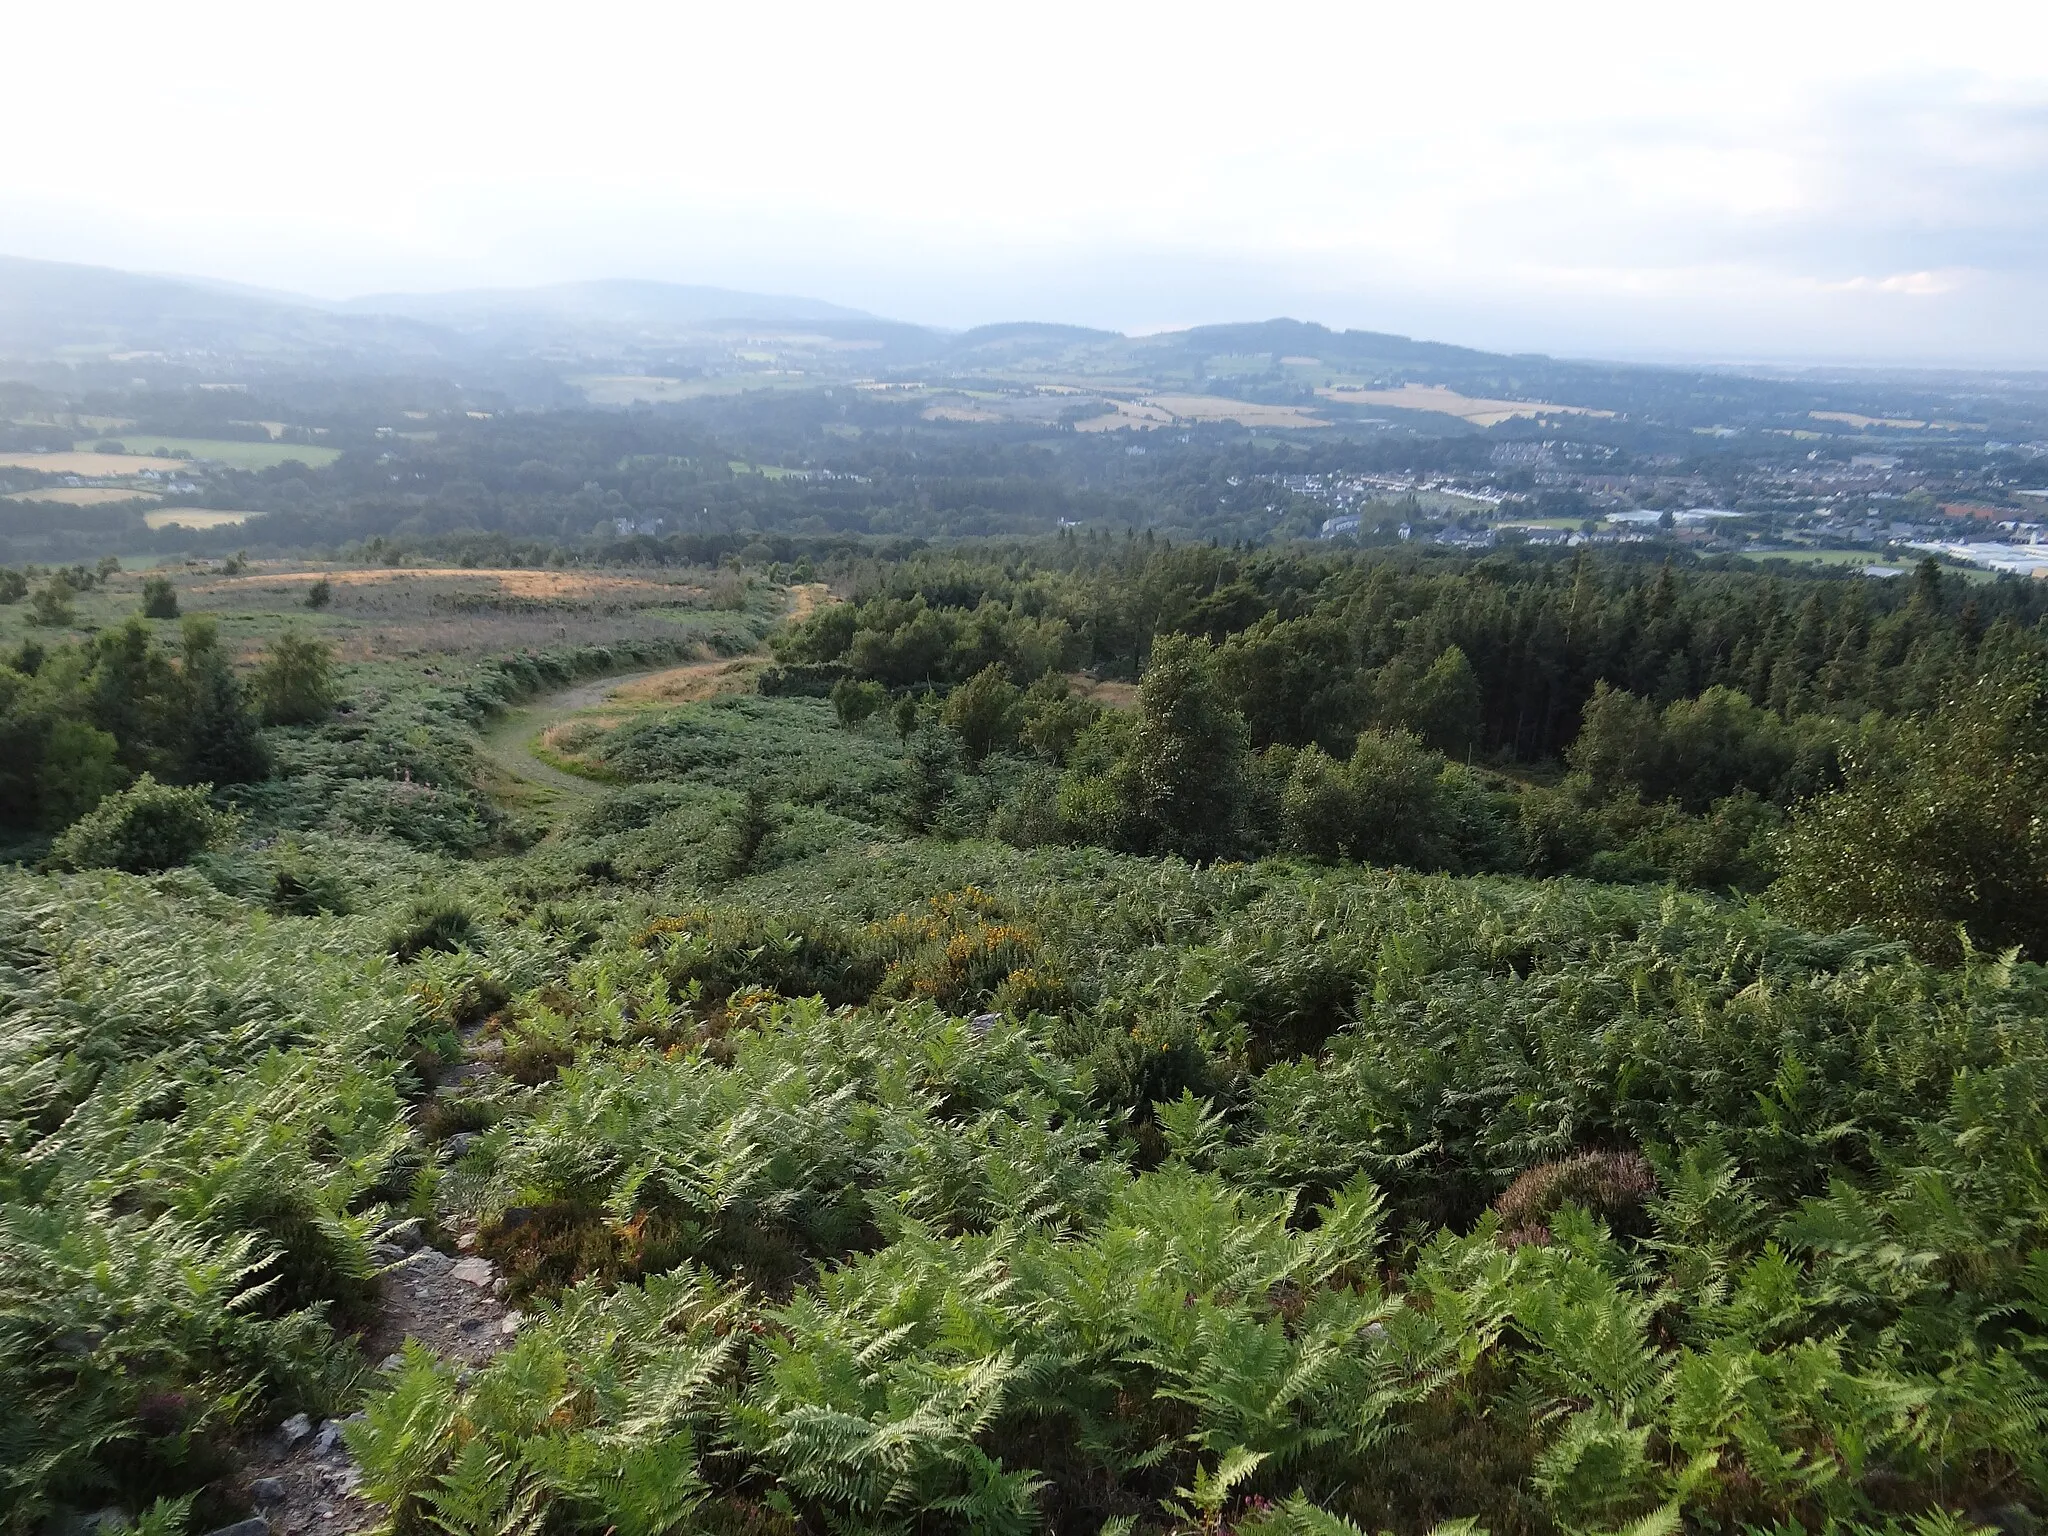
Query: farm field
[195, 517]
[237, 455]
[1448, 402]
[85, 462]
[83, 495]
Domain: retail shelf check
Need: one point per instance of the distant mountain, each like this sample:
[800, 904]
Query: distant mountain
[614, 303]
[108, 322]
[51, 310]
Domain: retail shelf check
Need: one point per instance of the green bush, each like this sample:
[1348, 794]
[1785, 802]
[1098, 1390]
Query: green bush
[142, 829]
[294, 685]
[159, 598]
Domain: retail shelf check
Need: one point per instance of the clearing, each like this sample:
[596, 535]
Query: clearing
[1441, 401]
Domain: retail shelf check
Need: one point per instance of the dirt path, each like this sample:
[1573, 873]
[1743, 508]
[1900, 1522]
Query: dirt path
[523, 778]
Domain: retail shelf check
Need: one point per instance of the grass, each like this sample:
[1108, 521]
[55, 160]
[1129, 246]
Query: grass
[235, 455]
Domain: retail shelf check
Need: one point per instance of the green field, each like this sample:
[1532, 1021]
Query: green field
[234, 455]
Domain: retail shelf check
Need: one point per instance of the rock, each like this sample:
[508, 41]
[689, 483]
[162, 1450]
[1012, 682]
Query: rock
[391, 1362]
[293, 1430]
[512, 1323]
[101, 1522]
[982, 1023]
[501, 1287]
[432, 1261]
[471, 1325]
[466, 1242]
[255, 1525]
[477, 1272]
[403, 1235]
[328, 1440]
[384, 1255]
[459, 1144]
[267, 1490]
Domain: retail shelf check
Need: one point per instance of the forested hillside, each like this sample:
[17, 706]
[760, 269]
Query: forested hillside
[1092, 1035]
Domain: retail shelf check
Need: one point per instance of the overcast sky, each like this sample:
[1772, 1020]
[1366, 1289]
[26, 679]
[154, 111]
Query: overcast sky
[1779, 181]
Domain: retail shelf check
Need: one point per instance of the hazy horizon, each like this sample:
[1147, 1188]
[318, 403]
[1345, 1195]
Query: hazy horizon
[1767, 187]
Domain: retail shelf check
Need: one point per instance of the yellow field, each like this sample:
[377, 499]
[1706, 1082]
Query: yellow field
[194, 517]
[1448, 402]
[82, 495]
[107, 464]
[1151, 412]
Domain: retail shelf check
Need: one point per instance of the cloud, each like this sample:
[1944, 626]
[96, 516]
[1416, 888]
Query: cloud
[1591, 177]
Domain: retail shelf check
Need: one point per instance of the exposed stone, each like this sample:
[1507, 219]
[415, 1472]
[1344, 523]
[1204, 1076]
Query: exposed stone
[255, 1525]
[512, 1323]
[293, 1430]
[477, 1272]
[267, 1490]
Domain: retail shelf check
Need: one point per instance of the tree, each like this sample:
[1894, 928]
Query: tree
[983, 713]
[1943, 833]
[159, 598]
[222, 745]
[320, 594]
[1188, 753]
[1445, 708]
[295, 684]
[933, 764]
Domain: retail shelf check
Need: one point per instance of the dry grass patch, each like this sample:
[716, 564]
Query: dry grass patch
[1108, 695]
[564, 585]
[689, 684]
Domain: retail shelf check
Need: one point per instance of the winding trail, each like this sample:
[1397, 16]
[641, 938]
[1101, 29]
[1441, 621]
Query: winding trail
[522, 777]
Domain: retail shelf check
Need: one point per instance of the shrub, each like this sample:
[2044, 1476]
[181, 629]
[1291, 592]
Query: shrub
[320, 594]
[51, 606]
[159, 598]
[854, 702]
[1616, 1186]
[145, 828]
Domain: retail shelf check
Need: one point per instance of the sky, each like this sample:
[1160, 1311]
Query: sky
[1785, 182]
